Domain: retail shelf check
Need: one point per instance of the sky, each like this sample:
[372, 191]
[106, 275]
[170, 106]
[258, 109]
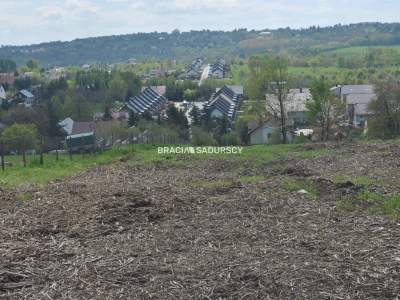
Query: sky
[25, 22]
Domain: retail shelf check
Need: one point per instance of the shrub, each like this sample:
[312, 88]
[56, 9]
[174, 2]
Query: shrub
[230, 139]
[202, 138]
[301, 139]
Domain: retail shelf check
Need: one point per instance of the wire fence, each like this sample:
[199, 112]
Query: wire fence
[41, 149]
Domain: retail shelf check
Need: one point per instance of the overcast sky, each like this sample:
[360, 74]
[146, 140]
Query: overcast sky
[34, 21]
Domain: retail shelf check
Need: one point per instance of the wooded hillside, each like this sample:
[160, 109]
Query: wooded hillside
[186, 45]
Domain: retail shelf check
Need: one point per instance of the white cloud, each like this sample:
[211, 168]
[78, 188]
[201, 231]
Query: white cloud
[27, 21]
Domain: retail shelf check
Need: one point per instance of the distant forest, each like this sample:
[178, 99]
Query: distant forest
[184, 46]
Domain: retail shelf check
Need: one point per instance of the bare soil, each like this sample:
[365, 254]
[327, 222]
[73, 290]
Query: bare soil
[130, 231]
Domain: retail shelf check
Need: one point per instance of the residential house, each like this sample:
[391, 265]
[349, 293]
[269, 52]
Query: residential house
[157, 73]
[3, 95]
[195, 70]
[7, 78]
[66, 125]
[356, 98]
[26, 75]
[55, 73]
[120, 114]
[193, 74]
[148, 101]
[263, 133]
[219, 70]
[294, 105]
[23, 97]
[226, 101]
[295, 111]
[161, 89]
[116, 114]
[80, 135]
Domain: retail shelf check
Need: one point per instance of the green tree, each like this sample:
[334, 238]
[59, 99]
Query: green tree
[189, 95]
[33, 64]
[21, 137]
[177, 120]
[385, 121]
[107, 114]
[77, 107]
[256, 88]
[195, 115]
[230, 139]
[278, 77]
[7, 66]
[134, 119]
[117, 90]
[242, 129]
[323, 108]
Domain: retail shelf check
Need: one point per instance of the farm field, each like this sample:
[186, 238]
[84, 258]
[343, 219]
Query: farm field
[316, 221]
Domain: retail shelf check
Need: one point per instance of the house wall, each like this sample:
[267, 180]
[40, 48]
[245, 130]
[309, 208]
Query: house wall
[216, 114]
[359, 120]
[262, 135]
[297, 117]
[28, 101]
[218, 74]
[81, 143]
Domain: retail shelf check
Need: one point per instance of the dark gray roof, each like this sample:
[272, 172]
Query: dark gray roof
[27, 93]
[149, 100]
[360, 98]
[226, 100]
[342, 90]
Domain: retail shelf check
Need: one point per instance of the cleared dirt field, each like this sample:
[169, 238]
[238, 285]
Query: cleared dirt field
[209, 229]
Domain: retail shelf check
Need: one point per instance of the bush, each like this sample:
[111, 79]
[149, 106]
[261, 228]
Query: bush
[276, 138]
[301, 139]
[230, 139]
[202, 138]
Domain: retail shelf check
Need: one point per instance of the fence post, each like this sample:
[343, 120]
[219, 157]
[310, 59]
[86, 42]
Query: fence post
[41, 151]
[70, 151]
[2, 156]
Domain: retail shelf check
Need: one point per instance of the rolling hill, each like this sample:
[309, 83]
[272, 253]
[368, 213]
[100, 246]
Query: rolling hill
[186, 45]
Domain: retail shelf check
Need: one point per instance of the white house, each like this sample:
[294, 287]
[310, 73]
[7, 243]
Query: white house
[294, 106]
[263, 133]
[3, 95]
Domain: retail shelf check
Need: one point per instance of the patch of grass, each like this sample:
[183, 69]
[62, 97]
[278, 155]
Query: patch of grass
[207, 184]
[224, 183]
[358, 180]
[387, 205]
[23, 197]
[35, 173]
[252, 179]
[296, 184]
[261, 154]
[391, 207]
[310, 154]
